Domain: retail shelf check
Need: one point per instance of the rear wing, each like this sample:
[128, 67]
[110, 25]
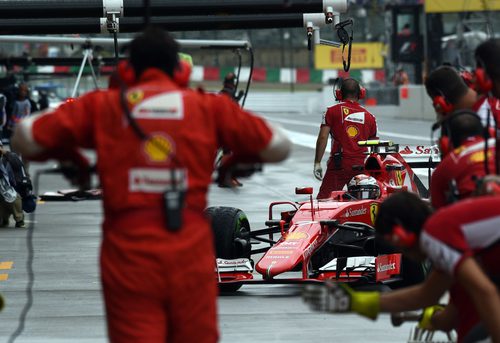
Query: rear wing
[417, 156]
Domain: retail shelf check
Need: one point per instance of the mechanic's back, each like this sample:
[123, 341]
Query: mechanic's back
[346, 123]
[349, 123]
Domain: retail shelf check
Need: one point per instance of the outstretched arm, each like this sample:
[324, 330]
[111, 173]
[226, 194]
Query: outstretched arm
[336, 297]
[321, 143]
[418, 296]
[483, 293]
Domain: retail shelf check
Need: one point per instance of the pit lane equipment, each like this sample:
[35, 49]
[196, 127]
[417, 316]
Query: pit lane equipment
[417, 334]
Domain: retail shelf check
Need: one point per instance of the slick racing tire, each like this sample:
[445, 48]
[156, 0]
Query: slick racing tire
[231, 228]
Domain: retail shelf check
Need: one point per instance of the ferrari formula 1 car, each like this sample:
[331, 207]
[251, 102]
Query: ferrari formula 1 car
[318, 239]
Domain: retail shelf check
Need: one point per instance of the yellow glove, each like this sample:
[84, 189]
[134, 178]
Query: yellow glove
[338, 298]
[425, 321]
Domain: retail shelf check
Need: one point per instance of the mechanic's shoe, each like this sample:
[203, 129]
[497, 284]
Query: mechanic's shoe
[4, 222]
[236, 183]
[230, 184]
[20, 223]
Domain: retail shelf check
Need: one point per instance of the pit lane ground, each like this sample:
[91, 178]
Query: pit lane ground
[67, 304]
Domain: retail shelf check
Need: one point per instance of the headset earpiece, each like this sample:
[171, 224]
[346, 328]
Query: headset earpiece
[441, 105]
[362, 92]
[401, 237]
[444, 145]
[126, 73]
[182, 74]
[338, 95]
[483, 82]
[468, 78]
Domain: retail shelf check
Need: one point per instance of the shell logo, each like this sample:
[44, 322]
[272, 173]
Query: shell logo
[158, 148]
[296, 236]
[352, 131]
[135, 96]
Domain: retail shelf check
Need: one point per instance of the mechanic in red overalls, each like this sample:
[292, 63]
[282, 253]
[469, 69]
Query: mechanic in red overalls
[464, 255]
[462, 146]
[157, 258]
[347, 123]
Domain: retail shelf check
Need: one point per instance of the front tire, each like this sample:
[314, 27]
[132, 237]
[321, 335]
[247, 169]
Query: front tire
[231, 237]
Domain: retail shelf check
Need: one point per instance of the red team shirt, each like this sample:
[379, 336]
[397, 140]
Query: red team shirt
[469, 228]
[349, 123]
[464, 165]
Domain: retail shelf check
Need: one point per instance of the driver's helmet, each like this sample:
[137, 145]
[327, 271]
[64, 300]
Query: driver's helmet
[363, 187]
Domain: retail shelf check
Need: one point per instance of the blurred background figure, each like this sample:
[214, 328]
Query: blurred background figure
[400, 78]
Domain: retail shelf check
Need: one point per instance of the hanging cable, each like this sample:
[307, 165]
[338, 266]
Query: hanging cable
[346, 39]
[29, 269]
[250, 51]
[238, 52]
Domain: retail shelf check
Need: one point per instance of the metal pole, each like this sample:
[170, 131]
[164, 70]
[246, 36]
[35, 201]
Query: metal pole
[184, 43]
[94, 77]
[135, 8]
[136, 24]
[78, 78]
[292, 81]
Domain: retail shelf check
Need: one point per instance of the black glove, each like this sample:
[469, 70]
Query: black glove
[234, 166]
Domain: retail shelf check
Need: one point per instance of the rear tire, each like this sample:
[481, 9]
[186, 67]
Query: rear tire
[231, 228]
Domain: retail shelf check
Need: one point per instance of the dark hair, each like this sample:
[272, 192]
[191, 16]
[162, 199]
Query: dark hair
[154, 48]
[350, 88]
[487, 57]
[403, 208]
[463, 124]
[446, 81]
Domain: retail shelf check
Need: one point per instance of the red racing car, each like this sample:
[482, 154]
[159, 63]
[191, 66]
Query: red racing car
[319, 239]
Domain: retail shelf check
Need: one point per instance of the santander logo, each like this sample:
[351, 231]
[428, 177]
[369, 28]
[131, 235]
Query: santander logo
[386, 267]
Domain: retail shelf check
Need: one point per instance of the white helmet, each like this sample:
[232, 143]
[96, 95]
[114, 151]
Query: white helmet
[363, 187]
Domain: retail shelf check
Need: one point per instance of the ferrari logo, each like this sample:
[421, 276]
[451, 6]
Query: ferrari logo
[399, 178]
[352, 131]
[373, 212]
[135, 97]
[158, 148]
[346, 111]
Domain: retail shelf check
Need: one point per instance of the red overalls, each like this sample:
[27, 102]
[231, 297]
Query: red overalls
[158, 285]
